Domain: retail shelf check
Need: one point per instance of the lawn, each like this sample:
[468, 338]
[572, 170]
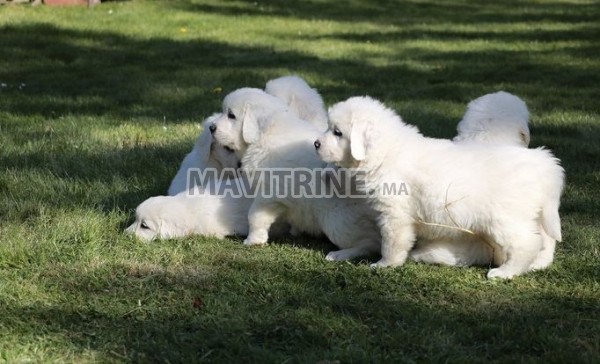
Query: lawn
[98, 106]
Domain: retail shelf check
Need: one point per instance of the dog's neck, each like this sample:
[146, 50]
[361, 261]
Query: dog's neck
[399, 135]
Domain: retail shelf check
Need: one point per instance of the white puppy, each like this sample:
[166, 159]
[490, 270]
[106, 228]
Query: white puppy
[498, 118]
[166, 217]
[207, 153]
[218, 210]
[505, 196]
[303, 100]
[245, 104]
[285, 143]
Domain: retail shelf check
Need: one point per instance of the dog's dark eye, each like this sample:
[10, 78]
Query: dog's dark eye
[229, 149]
[144, 226]
[230, 115]
[337, 132]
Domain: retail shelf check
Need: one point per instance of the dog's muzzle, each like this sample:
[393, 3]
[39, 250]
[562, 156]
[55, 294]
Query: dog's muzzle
[317, 144]
[212, 128]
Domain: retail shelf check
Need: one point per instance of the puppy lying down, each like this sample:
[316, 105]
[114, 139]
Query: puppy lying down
[166, 217]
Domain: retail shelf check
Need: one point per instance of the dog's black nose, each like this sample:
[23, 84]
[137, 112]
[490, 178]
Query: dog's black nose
[212, 128]
[317, 144]
[239, 164]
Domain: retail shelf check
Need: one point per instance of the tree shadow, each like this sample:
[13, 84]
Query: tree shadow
[301, 314]
[91, 73]
[387, 12]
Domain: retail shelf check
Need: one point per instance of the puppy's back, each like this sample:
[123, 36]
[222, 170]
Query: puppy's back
[496, 118]
[303, 100]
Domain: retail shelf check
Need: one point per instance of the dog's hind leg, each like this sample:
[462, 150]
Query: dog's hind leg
[260, 218]
[522, 245]
[546, 256]
[360, 250]
[347, 254]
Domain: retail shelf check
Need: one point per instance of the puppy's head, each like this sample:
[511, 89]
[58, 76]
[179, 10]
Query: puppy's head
[160, 217]
[355, 127]
[244, 111]
[216, 154]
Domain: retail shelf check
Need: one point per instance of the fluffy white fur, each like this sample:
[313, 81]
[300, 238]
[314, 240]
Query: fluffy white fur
[498, 118]
[166, 217]
[207, 153]
[503, 197]
[303, 100]
[244, 106]
[287, 142]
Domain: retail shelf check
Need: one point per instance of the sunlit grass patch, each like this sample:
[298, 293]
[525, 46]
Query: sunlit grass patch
[99, 105]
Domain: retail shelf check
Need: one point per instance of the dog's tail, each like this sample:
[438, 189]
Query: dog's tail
[551, 221]
[550, 218]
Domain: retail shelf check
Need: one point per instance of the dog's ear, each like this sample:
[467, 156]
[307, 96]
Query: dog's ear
[204, 143]
[358, 142]
[250, 129]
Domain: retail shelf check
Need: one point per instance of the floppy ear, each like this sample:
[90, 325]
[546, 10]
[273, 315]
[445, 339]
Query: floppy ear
[358, 142]
[250, 129]
[204, 143]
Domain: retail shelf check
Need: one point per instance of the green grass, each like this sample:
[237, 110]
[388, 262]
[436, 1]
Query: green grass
[112, 100]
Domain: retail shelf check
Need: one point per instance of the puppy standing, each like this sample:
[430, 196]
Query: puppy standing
[285, 142]
[302, 100]
[498, 118]
[207, 153]
[506, 196]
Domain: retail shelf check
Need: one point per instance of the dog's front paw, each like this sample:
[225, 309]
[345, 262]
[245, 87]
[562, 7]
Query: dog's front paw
[392, 260]
[382, 263]
[257, 237]
[249, 242]
[539, 265]
[498, 273]
[336, 256]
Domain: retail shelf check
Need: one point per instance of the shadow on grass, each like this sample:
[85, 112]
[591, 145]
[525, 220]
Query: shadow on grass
[104, 73]
[106, 179]
[90, 73]
[359, 317]
[407, 12]
[282, 313]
